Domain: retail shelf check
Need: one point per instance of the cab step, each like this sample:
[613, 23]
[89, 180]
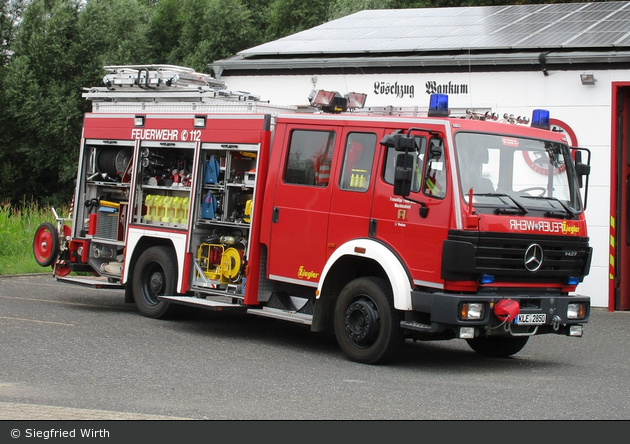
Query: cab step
[417, 326]
[94, 282]
[292, 316]
[210, 304]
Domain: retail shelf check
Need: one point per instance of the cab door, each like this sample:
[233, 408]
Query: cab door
[353, 188]
[416, 235]
[301, 207]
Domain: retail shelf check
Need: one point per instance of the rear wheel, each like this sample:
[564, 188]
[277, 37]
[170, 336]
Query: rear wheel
[498, 346]
[155, 274]
[367, 326]
[46, 244]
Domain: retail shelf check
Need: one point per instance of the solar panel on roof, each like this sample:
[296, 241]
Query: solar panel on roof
[558, 25]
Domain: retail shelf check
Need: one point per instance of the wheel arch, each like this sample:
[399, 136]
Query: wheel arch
[354, 259]
[140, 247]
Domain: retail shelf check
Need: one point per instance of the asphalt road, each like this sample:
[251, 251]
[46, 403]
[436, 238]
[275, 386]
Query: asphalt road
[72, 352]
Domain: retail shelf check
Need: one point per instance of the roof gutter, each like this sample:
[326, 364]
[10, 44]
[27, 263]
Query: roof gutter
[545, 59]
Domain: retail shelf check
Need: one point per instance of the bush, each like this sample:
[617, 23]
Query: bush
[17, 229]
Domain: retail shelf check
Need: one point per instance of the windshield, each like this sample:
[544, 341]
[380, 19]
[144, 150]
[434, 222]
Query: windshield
[517, 175]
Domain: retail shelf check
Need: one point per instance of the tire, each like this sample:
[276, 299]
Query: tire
[367, 326]
[155, 274]
[498, 346]
[46, 244]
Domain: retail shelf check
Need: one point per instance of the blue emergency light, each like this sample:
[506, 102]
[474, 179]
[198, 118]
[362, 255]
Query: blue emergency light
[486, 279]
[540, 119]
[438, 105]
[573, 280]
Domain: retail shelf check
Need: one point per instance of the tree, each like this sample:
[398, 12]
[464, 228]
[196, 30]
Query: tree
[342, 8]
[42, 103]
[212, 30]
[10, 15]
[290, 16]
[164, 31]
[115, 32]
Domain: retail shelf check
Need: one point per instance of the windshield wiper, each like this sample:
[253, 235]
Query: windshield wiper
[520, 209]
[551, 213]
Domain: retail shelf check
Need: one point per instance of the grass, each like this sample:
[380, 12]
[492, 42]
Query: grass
[17, 229]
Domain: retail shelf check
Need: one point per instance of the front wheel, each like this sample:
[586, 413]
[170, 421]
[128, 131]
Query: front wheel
[498, 346]
[155, 274]
[367, 326]
[46, 244]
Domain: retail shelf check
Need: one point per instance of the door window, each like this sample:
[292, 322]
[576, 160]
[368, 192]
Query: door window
[357, 162]
[309, 158]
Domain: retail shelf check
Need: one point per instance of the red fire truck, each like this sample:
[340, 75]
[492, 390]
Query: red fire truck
[376, 224]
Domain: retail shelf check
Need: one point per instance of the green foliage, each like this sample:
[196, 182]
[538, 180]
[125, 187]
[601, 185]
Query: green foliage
[42, 102]
[342, 8]
[290, 16]
[115, 32]
[164, 31]
[212, 30]
[17, 229]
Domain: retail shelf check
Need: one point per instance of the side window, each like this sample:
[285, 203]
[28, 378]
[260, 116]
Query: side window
[309, 157]
[357, 161]
[390, 165]
[435, 171]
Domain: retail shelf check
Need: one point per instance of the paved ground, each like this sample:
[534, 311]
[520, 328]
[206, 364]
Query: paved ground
[21, 412]
[70, 352]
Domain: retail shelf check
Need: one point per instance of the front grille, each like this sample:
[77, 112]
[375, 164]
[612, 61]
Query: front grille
[503, 256]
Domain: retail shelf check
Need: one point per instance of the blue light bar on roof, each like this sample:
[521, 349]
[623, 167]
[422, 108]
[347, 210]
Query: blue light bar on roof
[438, 105]
[540, 119]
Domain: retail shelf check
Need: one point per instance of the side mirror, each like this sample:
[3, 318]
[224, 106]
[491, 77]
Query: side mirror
[403, 177]
[581, 169]
[389, 139]
[435, 148]
[403, 174]
[400, 142]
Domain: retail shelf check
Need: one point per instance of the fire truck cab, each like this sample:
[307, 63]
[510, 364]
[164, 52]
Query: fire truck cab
[378, 227]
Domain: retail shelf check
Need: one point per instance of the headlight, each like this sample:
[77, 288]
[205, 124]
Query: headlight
[471, 311]
[576, 311]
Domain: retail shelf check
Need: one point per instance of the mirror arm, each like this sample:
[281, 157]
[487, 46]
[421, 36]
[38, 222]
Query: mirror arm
[424, 210]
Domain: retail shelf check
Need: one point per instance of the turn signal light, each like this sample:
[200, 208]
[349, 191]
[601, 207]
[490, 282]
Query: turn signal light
[576, 311]
[471, 311]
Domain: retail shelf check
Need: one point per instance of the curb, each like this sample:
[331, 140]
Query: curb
[23, 275]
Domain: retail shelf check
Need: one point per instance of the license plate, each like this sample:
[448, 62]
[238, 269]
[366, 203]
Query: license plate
[530, 319]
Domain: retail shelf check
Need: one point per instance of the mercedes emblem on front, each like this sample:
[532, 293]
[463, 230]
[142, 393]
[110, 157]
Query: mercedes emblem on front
[533, 257]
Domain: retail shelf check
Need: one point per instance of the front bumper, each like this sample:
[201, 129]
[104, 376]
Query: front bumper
[443, 312]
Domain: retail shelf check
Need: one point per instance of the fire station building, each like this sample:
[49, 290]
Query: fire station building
[572, 59]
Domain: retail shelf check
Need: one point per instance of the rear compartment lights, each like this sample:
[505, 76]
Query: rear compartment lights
[472, 311]
[576, 311]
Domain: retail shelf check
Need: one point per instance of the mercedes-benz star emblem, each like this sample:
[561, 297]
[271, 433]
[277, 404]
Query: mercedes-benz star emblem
[533, 257]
